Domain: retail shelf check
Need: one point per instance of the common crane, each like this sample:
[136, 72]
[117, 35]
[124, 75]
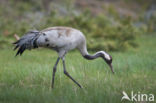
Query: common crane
[62, 40]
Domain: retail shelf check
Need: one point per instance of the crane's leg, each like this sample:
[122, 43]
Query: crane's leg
[67, 74]
[54, 70]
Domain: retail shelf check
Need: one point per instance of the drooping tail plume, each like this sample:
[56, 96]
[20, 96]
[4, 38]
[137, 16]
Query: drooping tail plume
[28, 41]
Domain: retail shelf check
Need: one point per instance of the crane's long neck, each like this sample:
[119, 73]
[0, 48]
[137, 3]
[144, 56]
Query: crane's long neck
[94, 56]
[86, 55]
[103, 54]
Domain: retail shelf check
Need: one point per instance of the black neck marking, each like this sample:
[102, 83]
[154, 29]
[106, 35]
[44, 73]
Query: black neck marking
[90, 57]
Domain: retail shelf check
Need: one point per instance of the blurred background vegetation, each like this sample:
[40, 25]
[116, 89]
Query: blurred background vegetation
[110, 25]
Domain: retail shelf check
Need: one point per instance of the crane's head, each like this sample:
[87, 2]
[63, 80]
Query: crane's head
[108, 60]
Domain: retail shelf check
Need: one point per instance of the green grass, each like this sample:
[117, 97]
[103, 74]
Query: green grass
[27, 79]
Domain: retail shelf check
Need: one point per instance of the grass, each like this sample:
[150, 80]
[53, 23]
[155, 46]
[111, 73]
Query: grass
[27, 79]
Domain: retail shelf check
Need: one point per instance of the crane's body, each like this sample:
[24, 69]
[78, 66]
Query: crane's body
[62, 40]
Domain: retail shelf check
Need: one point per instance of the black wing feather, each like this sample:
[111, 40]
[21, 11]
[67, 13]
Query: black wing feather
[28, 41]
[19, 50]
[16, 47]
[22, 49]
[16, 42]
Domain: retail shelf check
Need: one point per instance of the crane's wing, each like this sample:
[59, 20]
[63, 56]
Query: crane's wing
[28, 41]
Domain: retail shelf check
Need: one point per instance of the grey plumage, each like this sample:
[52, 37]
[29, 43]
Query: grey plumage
[62, 40]
[28, 41]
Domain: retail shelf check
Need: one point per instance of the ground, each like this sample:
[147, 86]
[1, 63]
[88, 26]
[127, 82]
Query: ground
[28, 78]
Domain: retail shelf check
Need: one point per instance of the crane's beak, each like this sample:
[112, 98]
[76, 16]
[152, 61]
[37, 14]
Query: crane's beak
[111, 67]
